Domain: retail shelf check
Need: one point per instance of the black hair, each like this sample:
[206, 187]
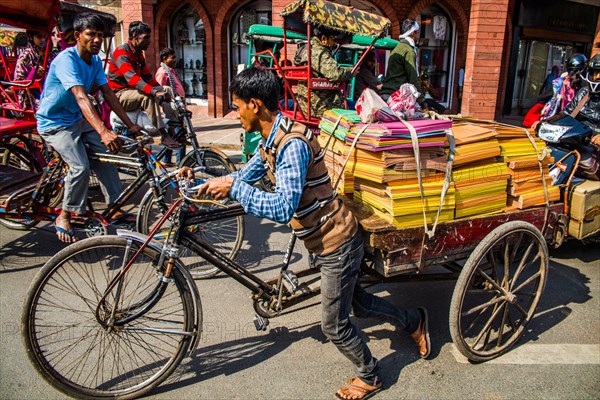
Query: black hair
[88, 20]
[32, 33]
[319, 31]
[407, 25]
[166, 52]
[256, 83]
[137, 28]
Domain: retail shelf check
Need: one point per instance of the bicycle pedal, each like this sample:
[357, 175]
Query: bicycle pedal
[260, 323]
[290, 281]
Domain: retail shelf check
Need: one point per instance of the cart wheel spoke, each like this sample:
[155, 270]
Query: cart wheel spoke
[523, 262]
[498, 290]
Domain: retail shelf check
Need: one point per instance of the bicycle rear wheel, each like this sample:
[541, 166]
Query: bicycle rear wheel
[75, 352]
[225, 235]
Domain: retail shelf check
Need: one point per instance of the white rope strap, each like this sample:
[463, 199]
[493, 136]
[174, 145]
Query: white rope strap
[447, 178]
[337, 123]
[337, 182]
[415, 143]
[540, 157]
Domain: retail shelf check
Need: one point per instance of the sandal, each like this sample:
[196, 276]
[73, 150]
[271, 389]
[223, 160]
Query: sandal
[356, 389]
[70, 233]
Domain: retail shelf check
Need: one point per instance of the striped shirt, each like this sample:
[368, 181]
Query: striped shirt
[128, 70]
[292, 163]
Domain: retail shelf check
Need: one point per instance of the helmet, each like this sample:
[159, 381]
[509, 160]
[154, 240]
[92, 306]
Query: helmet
[592, 74]
[577, 63]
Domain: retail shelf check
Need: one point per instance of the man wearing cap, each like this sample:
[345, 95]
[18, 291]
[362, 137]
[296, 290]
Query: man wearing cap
[402, 66]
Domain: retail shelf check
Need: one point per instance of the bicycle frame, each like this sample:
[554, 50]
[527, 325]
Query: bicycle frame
[270, 297]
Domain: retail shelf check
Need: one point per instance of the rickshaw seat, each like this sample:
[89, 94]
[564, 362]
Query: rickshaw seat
[14, 179]
[11, 126]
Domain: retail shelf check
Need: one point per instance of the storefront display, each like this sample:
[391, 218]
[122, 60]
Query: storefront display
[254, 12]
[188, 40]
[435, 51]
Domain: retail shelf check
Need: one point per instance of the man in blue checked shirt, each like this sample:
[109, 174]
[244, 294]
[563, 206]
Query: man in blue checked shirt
[304, 198]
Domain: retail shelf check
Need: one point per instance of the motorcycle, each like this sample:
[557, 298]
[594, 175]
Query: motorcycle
[569, 143]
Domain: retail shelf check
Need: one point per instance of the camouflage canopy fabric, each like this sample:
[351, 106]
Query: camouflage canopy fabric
[29, 14]
[7, 37]
[335, 16]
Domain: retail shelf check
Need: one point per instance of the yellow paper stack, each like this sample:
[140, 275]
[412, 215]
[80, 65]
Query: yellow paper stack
[525, 188]
[480, 188]
[479, 179]
[336, 152]
[399, 202]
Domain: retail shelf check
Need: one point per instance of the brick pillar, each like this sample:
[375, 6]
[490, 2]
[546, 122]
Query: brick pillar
[487, 29]
[140, 10]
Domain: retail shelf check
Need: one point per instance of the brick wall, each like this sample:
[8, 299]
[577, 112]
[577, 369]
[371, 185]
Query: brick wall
[485, 50]
[483, 37]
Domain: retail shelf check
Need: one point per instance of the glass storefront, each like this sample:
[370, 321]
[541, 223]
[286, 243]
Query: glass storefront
[435, 48]
[535, 61]
[254, 12]
[188, 39]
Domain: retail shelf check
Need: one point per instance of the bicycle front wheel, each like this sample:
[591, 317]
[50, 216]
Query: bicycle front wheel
[75, 351]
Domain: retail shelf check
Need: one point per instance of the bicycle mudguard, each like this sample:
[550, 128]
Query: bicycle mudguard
[141, 238]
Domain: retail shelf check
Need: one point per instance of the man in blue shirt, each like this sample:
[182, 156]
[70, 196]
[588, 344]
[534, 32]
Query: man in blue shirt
[304, 197]
[67, 120]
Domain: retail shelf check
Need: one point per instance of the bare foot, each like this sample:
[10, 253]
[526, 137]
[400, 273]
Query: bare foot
[64, 230]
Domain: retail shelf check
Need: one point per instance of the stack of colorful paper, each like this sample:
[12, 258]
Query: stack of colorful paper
[525, 188]
[480, 188]
[474, 143]
[347, 119]
[400, 204]
[336, 152]
[396, 135]
[335, 124]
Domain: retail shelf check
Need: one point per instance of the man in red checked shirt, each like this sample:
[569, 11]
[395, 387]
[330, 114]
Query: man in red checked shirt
[134, 85]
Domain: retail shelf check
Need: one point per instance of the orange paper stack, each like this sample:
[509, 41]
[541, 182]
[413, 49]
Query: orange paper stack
[479, 178]
[526, 186]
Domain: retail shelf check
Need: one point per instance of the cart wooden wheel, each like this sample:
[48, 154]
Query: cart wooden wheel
[498, 291]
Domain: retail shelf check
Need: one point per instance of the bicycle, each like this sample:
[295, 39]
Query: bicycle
[30, 203]
[129, 300]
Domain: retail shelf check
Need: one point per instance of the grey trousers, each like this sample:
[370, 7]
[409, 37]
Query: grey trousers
[341, 292]
[133, 100]
[72, 143]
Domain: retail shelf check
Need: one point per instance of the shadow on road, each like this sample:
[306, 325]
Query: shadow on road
[228, 358]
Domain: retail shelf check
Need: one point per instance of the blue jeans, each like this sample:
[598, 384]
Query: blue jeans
[341, 292]
[72, 143]
[180, 153]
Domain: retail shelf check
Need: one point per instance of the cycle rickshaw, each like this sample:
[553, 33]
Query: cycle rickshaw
[32, 175]
[145, 309]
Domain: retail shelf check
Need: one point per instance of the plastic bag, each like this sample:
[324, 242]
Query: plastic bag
[371, 108]
[403, 100]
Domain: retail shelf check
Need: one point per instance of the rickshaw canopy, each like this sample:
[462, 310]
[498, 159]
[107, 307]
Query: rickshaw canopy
[43, 15]
[334, 16]
[30, 14]
[274, 34]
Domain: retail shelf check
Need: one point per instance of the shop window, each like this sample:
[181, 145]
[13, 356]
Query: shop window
[188, 39]
[255, 12]
[435, 47]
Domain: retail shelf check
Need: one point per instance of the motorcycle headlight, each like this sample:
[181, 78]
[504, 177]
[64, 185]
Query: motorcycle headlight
[552, 133]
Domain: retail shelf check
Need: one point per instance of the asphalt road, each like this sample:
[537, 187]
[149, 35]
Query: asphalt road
[558, 357]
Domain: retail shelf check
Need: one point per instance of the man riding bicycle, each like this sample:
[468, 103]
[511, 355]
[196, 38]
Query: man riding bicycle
[68, 121]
